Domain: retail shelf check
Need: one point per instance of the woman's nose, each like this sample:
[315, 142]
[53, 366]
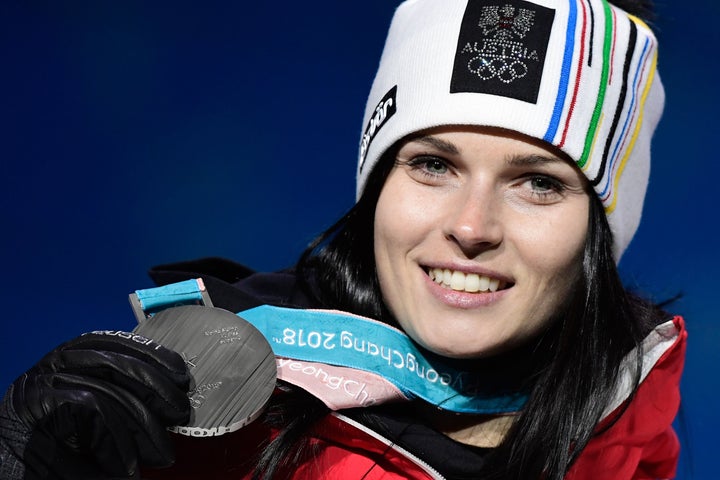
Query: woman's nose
[473, 222]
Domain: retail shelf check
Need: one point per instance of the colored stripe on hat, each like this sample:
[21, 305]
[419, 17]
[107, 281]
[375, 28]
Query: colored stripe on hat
[564, 75]
[616, 168]
[620, 106]
[610, 208]
[594, 122]
[592, 33]
[604, 194]
[614, 43]
[578, 77]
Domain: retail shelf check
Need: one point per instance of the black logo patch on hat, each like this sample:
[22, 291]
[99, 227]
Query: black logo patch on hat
[501, 49]
[385, 109]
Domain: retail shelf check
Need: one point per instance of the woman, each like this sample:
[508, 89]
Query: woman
[502, 168]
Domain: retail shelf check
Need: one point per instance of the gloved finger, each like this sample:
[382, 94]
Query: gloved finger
[121, 420]
[150, 385]
[170, 363]
[81, 435]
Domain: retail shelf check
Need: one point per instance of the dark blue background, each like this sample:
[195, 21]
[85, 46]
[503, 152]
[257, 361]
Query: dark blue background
[135, 133]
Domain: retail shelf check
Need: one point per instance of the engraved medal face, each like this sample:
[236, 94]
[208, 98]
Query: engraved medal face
[231, 363]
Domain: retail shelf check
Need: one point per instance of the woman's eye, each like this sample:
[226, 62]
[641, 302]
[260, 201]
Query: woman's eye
[545, 188]
[437, 167]
[429, 165]
[544, 184]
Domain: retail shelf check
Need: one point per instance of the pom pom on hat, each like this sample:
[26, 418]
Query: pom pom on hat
[578, 74]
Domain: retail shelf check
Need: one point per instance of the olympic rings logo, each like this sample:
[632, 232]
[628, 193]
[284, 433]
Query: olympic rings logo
[488, 68]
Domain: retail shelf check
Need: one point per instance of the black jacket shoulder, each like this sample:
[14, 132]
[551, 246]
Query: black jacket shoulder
[235, 287]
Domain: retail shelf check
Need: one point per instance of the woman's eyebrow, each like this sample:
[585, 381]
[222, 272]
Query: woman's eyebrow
[442, 145]
[518, 160]
[532, 159]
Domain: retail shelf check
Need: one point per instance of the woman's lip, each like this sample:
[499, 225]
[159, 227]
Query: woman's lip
[461, 299]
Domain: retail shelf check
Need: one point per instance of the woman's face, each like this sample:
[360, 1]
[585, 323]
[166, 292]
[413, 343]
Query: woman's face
[479, 236]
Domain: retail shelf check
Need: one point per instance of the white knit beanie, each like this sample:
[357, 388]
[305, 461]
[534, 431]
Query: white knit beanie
[578, 74]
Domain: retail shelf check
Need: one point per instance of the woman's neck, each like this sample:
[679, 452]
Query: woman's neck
[486, 431]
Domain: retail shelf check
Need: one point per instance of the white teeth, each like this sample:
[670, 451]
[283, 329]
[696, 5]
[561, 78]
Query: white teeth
[471, 282]
[447, 277]
[484, 283]
[457, 281]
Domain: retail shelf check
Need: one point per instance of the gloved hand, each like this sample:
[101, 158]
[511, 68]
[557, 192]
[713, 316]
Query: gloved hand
[95, 407]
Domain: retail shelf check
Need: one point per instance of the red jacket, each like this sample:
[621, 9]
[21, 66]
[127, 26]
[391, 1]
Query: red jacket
[641, 444]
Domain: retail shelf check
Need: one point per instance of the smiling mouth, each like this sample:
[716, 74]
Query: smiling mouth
[466, 282]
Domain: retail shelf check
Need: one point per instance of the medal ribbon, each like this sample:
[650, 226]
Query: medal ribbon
[342, 339]
[393, 361]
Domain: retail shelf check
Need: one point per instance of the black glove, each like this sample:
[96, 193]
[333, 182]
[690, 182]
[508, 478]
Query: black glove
[95, 407]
